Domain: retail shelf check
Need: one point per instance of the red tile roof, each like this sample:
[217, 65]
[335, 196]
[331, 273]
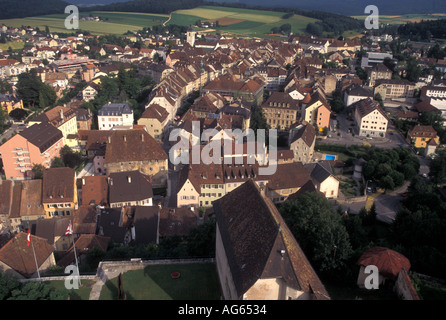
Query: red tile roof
[389, 262]
[20, 257]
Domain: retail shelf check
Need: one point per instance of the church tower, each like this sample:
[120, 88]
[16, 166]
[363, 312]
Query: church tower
[191, 36]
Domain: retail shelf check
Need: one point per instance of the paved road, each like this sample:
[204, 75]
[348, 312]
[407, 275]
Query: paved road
[393, 138]
[8, 133]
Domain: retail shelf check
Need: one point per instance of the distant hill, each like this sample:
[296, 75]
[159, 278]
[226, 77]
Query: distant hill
[146, 6]
[351, 7]
[27, 8]
[89, 3]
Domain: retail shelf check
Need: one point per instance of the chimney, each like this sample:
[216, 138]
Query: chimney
[109, 139]
[61, 114]
[142, 137]
[83, 181]
[125, 138]
[129, 179]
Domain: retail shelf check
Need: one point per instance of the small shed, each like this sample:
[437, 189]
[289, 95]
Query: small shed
[393, 268]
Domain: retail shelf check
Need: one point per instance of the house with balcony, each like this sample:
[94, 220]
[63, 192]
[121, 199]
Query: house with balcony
[38, 144]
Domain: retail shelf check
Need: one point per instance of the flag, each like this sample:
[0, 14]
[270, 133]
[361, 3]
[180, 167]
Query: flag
[28, 238]
[69, 230]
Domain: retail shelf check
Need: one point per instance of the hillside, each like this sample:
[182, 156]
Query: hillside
[350, 7]
[26, 8]
[148, 6]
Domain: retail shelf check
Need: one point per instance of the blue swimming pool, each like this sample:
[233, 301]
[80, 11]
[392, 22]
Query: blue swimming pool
[329, 157]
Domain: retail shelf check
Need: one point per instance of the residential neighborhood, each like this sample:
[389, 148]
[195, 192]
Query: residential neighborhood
[116, 141]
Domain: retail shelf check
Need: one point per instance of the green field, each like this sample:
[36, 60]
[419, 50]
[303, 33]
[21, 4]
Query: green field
[402, 19]
[14, 45]
[231, 20]
[115, 22]
[241, 21]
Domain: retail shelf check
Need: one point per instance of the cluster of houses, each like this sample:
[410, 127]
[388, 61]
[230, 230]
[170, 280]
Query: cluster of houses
[232, 79]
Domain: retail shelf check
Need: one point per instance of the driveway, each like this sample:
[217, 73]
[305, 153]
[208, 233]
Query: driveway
[8, 133]
[392, 140]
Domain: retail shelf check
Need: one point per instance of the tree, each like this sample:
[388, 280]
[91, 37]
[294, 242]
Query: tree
[70, 158]
[314, 29]
[57, 163]
[5, 86]
[18, 114]
[33, 91]
[413, 71]
[437, 168]
[201, 240]
[37, 171]
[4, 124]
[258, 121]
[12, 289]
[319, 231]
[387, 183]
[94, 256]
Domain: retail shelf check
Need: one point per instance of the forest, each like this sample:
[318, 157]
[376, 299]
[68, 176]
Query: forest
[25, 8]
[424, 30]
[153, 6]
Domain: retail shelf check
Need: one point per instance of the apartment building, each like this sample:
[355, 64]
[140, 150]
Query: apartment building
[38, 144]
[394, 88]
[370, 119]
[115, 115]
[280, 110]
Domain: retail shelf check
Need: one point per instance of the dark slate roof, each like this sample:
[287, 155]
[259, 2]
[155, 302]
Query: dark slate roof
[42, 135]
[307, 187]
[146, 223]
[306, 131]
[258, 244]
[51, 228]
[129, 186]
[115, 109]
[358, 90]
[319, 172]
[108, 225]
[288, 175]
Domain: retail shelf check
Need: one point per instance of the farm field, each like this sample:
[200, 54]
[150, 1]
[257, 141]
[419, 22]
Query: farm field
[401, 19]
[115, 22]
[241, 21]
[232, 21]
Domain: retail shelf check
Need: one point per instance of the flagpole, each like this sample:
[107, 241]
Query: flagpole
[77, 264]
[35, 259]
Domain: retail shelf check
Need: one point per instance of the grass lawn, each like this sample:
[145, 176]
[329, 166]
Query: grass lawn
[196, 282]
[83, 293]
[15, 45]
